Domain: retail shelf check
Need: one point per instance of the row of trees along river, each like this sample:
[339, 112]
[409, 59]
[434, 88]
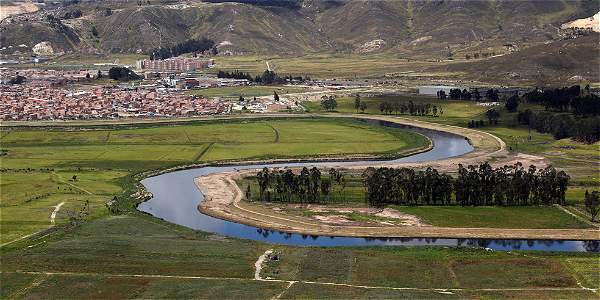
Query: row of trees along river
[474, 185]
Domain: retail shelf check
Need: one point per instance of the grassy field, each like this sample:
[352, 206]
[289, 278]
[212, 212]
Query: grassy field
[90, 59]
[439, 267]
[39, 168]
[247, 91]
[581, 161]
[455, 112]
[496, 217]
[137, 256]
[330, 65]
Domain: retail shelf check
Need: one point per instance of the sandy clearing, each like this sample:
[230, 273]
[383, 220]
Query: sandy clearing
[398, 218]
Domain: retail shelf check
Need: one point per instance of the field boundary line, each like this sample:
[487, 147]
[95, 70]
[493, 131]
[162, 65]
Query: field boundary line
[275, 131]
[73, 185]
[52, 224]
[188, 137]
[203, 152]
[578, 288]
[34, 283]
[580, 218]
[278, 296]
[24, 237]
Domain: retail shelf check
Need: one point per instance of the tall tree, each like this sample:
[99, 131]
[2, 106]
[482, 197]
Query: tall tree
[592, 204]
[512, 103]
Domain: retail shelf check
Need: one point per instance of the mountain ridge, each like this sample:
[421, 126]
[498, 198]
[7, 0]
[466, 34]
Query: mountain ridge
[431, 28]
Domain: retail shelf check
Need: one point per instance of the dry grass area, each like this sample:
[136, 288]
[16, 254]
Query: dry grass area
[16, 8]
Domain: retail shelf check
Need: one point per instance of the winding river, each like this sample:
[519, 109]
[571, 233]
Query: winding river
[176, 197]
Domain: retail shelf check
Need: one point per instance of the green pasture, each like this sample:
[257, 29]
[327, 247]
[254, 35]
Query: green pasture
[39, 167]
[103, 255]
[581, 161]
[455, 112]
[533, 217]
[329, 65]
[427, 267]
[190, 143]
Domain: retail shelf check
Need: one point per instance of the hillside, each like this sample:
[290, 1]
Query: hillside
[573, 60]
[413, 28]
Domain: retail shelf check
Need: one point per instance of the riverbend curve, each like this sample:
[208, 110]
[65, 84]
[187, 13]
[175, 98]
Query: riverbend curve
[221, 197]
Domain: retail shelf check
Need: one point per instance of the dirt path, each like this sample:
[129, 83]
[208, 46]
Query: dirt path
[223, 197]
[71, 184]
[52, 223]
[278, 296]
[150, 276]
[258, 264]
[56, 209]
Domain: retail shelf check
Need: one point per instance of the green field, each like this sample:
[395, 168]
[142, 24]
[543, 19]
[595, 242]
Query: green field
[534, 217]
[247, 91]
[439, 267]
[455, 112]
[331, 65]
[39, 167]
[137, 256]
[494, 217]
[581, 161]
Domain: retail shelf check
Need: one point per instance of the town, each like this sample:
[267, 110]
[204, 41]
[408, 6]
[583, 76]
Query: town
[37, 103]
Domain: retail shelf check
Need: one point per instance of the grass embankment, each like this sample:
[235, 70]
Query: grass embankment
[40, 164]
[122, 257]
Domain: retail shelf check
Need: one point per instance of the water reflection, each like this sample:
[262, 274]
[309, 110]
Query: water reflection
[176, 198]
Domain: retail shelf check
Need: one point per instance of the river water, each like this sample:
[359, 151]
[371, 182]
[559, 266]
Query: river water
[176, 197]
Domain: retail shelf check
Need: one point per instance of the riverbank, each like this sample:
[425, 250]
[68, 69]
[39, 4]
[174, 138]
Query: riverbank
[223, 198]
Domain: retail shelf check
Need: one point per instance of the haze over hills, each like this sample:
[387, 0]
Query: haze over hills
[429, 28]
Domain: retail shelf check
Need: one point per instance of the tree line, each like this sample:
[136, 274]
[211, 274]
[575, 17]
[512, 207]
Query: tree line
[560, 125]
[566, 99]
[309, 186]
[480, 185]
[121, 74]
[359, 104]
[474, 185]
[458, 94]
[234, 75]
[267, 77]
[328, 103]
[188, 46]
[411, 108]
